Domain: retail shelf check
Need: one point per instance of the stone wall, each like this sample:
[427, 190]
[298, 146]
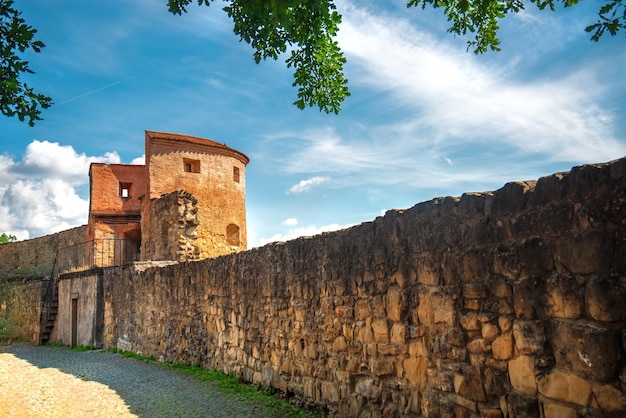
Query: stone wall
[20, 308]
[35, 257]
[505, 303]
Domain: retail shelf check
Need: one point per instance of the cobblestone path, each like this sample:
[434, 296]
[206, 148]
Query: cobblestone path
[40, 381]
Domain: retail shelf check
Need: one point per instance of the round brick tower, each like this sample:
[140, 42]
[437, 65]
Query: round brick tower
[214, 174]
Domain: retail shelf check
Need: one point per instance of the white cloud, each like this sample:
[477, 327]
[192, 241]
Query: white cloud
[139, 160]
[49, 159]
[39, 194]
[306, 185]
[290, 222]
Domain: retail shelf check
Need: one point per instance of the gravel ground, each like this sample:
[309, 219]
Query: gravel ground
[40, 381]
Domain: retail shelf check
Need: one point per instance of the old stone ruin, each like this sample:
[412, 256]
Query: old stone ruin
[498, 304]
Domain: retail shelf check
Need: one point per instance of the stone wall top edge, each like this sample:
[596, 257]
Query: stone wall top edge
[49, 236]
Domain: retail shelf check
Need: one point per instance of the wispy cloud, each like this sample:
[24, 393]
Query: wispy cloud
[306, 185]
[459, 99]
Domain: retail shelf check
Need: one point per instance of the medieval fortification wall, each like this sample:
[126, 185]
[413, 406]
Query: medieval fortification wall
[35, 257]
[505, 303]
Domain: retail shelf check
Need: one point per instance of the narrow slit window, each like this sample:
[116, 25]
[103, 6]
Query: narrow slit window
[191, 166]
[125, 189]
[236, 174]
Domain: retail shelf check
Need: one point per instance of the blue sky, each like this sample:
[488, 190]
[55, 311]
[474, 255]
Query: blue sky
[425, 119]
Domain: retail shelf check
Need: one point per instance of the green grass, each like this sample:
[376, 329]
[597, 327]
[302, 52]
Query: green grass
[266, 395]
[79, 348]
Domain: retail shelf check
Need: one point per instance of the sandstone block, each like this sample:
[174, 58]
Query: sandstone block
[584, 253]
[367, 388]
[396, 303]
[381, 330]
[470, 321]
[522, 375]
[529, 337]
[472, 385]
[405, 275]
[605, 298]
[362, 310]
[418, 348]
[586, 349]
[565, 388]
[426, 271]
[489, 331]
[398, 332]
[415, 371]
[501, 288]
[535, 257]
[479, 346]
[524, 298]
[502, 347]
[564, 297]
[474, 291]
[383, 366]
[519, 405]
[505, 323]
[340, 344]
[329, 392]
[553, 410]
[610, 399]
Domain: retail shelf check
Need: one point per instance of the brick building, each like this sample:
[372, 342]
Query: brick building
[187, 202]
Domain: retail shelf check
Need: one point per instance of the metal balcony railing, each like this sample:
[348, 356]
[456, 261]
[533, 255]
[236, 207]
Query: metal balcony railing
[106, 252]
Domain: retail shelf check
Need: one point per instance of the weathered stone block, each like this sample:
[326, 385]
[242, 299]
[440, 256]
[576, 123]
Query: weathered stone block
[584, 253]
[398, 332]
[381, 330]
[502, 347]
[396, 303]
[522, 375]
[427, 272]
[565, 388]
[366, 387]
[605, 298]
[471, 384]
[340, 344]
[529, 337]
[479, 346]
[610, 399]
[489, 331]
[586, 349]
[470, 321]
[535, 257]
[362, 310]
[552, 410]
[564, 298]
[415, 371]
[519, 405]
[383, 366]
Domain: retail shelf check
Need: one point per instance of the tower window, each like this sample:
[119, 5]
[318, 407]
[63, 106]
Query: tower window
[232, 235]
[191, 166]
[125, 189]
[236, 174]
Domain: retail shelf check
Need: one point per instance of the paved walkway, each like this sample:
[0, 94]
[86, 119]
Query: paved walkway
[40, 381]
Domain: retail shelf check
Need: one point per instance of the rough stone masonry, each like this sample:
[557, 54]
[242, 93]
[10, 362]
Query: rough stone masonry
[500, 304]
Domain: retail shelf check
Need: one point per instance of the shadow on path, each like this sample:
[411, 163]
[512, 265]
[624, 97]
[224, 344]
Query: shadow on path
[148, 389]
